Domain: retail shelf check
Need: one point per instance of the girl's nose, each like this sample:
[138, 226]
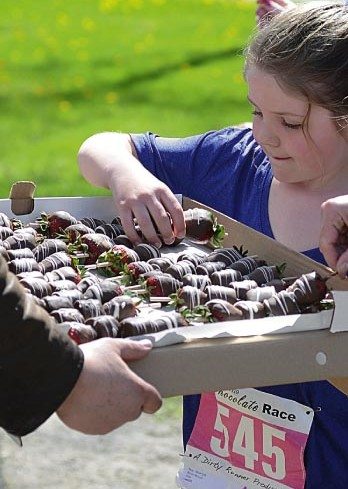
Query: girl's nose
[266, 136]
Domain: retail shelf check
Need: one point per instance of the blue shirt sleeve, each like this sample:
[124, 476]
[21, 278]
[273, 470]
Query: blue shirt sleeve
[224, 169]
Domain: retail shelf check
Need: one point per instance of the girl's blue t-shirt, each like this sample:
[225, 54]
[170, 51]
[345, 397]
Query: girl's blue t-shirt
[228, 171]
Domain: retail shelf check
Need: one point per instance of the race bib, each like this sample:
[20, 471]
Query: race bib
[246, 439]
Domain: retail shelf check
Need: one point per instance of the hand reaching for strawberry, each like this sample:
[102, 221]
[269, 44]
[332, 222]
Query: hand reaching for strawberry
[109, 160]
[333, 241]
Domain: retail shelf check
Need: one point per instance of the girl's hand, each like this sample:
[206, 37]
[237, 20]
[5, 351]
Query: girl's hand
[109, 160]
[151, 202]
[333, 241]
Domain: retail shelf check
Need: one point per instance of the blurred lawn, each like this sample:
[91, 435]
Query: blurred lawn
[70, 69]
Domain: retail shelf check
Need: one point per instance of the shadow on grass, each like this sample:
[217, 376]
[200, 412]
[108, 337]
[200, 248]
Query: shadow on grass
[131, 81]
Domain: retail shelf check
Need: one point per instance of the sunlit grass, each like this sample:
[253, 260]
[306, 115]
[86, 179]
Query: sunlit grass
[70, 69]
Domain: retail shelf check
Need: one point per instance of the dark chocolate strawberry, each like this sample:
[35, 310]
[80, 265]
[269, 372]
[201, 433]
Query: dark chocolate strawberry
[222, 310]
[72, 233]
[95, 244]
[132, 271]
[105, 326]
[5, 220]
[202, 227]
[162, 285]
[53, 224]
[189, 297]
[309, 288]
[111, 230]
[79, 333]
[92, 222]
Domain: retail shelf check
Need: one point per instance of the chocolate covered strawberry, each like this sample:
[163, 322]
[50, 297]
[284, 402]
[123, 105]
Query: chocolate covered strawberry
[147, 251]
[55, 261]
[209, 267]
[64, 273]
[121, 307]
[247, 265]
[189, 297]
[72, 232]
[162, 285]
[202, 227]
[226, 255]
[152, 323]
[89, 307]
[103, 291]
[132, 271]
[309, 288]
[282, 304]
[111, 230]
[178, 270]
[241, 288]
[225, 277]
[20, 253]
[67, 314]
[5, 221]
[20, 265]
[264, 274]
[105, 326]
[162, 262]
[5, 232]
[20, 240]
[92, 222]
[221, 292]
[194, 258]
[48, 247]
[54, 302]
[199, 281]
[94, 245]
[79, 333]
[55, 223]
[222, 310]
[74, 294]
[251, 309]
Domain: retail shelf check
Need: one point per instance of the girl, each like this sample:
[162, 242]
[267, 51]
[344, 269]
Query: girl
[274, 179]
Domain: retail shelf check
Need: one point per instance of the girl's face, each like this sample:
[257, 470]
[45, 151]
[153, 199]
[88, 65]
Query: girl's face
[302, 147]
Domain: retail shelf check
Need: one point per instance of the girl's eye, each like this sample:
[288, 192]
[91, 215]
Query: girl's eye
[257, 113]
[291, 126]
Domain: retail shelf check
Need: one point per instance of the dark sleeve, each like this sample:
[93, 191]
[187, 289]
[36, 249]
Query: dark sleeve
[39, 366]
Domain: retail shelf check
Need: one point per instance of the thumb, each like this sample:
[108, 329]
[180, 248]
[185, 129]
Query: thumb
[342, 265]
[134, 350]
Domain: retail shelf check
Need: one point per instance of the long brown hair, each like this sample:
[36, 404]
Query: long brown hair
[306, 49]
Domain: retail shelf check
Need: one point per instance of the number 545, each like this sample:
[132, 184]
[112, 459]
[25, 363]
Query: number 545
[244, 443]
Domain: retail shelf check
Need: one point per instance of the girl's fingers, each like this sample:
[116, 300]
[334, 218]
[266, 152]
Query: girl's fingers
[327, 244]
[342, 265]
[126, 216]
[163, 221]
[176, 212]
[142, 215]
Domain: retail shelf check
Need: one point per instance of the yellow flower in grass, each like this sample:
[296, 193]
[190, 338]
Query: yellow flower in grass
[63, 19]
[88, 24]
[64, 105]
[107, 5]
[111, 97]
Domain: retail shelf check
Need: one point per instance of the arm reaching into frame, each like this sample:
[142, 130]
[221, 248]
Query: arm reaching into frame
[109, 160]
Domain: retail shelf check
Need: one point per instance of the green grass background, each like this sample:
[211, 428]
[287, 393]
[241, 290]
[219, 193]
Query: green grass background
[70, 69]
